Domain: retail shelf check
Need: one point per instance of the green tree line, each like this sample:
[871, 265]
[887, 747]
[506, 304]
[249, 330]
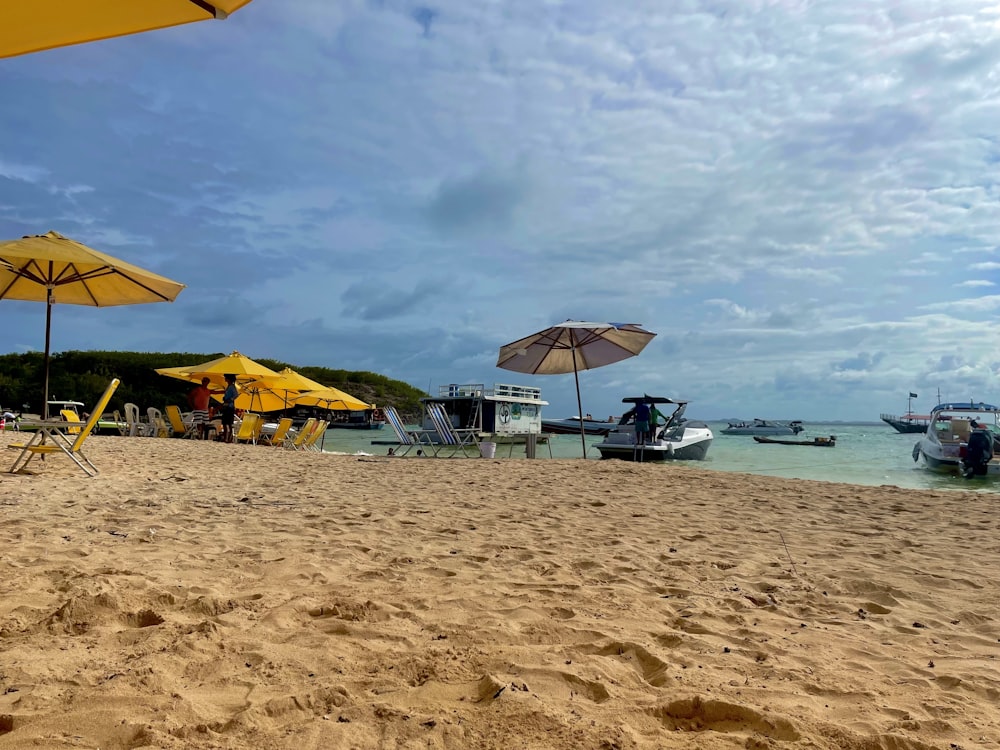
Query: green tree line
[83, 376]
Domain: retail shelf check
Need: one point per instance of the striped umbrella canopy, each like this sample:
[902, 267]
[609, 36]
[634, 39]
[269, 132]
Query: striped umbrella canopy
[573, 346]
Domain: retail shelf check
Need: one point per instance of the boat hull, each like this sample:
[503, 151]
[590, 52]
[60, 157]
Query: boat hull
[764, 428]
[684, 443]
[572, 427]
[906, 425]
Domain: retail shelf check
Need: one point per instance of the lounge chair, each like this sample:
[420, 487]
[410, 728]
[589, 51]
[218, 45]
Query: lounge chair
[301, 436]
[61, 444]
[408, 439]
[73, 418]
[249, 429]
[157, 425]
[178, 426]
[280, 432]
[318, 431]
[451, 437]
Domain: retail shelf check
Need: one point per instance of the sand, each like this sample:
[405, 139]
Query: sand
[201, 595]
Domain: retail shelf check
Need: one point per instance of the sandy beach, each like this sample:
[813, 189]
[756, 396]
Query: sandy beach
[201, 595]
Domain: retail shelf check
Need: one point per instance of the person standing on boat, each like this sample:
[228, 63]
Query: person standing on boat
[654, 417]
[641, 413]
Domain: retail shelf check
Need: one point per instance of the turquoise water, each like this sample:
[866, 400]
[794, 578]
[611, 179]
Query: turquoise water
[865, 454]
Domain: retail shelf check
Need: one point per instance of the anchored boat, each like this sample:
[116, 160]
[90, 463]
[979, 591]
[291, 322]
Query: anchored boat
[679, 439]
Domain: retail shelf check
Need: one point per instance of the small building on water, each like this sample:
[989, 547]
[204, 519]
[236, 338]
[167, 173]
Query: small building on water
[501, 414]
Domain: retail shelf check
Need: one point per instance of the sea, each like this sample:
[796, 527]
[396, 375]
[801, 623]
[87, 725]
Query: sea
[871, 454]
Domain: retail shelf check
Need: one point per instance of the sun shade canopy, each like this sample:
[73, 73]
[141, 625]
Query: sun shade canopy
[34, 26]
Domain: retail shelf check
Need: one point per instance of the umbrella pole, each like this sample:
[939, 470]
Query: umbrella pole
[579, 406]
[48, 331]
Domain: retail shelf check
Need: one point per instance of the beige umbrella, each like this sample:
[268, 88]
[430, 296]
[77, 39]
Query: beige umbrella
[573, 346]
[51, 268]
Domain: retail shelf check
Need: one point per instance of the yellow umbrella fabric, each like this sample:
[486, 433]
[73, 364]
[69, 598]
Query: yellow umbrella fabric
[34, 26]
[245, 369]
[53, 269]
[274, 393]
[331, 398]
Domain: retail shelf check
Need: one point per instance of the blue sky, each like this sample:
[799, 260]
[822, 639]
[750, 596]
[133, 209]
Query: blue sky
[800, 198]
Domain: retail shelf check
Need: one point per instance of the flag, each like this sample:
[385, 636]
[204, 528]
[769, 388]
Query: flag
[913, 395]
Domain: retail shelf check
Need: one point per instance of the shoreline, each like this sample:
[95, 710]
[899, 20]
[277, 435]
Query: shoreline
[198, 594]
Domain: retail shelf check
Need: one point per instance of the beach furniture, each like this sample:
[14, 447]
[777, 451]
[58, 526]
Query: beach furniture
[73, 418]
[280, 432]
[156, 425]
[178, 426]
[49, 439]
[303, 434]
[249, 429]
[450, 437]
[408, 439]
[318, 431]
[133, 425]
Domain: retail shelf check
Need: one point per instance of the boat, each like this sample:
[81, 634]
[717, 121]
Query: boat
[764, 427]
[502, 414]
[823, 442]
[571, 426]
[358, 419]
[680, 439]
[961, 438]
[908, 422]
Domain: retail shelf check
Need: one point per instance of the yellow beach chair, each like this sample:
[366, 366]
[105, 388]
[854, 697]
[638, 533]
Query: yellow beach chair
[177, 424]
[249, 429]
[319, 430]
[61, 444]
[280, 432]
[303, 434]
[73, 418]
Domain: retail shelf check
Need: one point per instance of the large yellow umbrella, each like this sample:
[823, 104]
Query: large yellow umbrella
[34, 26]
[331, 398]
[51, 268]
[245, 369]
[271, 393]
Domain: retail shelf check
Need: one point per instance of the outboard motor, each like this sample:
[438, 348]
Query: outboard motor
[977, 454]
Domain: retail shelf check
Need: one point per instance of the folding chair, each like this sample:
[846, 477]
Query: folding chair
[249, 429]
[318, 431]
[73, 418]
[408, 439]
[280, 432]
[451, 437]
[61, 444]
[177, 424]
[295, 443]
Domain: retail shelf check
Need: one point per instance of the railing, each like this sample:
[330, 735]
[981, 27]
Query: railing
[476, 390]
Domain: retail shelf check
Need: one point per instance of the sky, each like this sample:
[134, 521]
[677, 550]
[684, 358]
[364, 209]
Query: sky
[800, 198]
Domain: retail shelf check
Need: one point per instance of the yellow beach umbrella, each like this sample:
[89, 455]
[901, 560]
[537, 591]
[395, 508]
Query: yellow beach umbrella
[51, 268]
[34, 26]
[273, 393]
[331, 398]
[245, 369]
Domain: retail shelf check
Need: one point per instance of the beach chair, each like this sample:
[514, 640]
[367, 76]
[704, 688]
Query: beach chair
[408, 439]
[249, 429]
[312, 442]
[156, 425]
[61, 444]
[73, 418]
[301, 436]
[178, 426]
[280, 432]
[133, 425]
[451, 438]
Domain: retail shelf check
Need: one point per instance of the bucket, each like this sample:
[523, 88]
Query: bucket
[487, 450]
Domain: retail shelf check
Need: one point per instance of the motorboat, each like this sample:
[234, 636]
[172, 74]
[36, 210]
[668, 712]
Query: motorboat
[819, 442]
[961, 438]
[679, 439]
[764, 427]
[571, 426]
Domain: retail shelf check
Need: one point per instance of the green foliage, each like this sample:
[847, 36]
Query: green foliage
[83, 376]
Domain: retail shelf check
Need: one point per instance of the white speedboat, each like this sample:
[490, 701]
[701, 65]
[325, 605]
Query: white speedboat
[764, 427]
[678, 440]
[571, 426]
[961, 439]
